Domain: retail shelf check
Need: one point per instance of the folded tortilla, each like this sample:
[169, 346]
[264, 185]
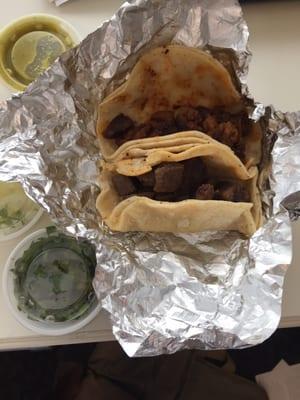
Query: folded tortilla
[166, 78]
[139, 213]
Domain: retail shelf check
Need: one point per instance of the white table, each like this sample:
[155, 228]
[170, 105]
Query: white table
[274, 78]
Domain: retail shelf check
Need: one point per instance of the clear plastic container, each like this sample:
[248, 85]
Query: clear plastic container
[18, 213]
[30, 44]
[41, 291]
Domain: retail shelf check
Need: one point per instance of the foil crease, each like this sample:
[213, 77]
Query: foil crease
[164, 292]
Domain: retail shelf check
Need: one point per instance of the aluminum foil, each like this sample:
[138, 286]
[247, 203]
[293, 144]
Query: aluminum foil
[164, 292]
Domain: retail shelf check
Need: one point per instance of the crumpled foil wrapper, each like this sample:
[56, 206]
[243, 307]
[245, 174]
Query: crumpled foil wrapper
[164, 292]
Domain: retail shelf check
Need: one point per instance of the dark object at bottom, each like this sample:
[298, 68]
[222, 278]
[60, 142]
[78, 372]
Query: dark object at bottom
[186, 375]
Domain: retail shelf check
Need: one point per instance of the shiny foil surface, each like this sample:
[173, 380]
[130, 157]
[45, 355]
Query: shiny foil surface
[164, 292]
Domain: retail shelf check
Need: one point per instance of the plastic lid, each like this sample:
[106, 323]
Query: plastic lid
[61, 273]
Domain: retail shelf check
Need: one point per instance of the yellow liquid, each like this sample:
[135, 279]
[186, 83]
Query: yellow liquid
[16, 209]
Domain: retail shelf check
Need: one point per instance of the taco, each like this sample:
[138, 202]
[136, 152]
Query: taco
[195, 186]
[173, 89]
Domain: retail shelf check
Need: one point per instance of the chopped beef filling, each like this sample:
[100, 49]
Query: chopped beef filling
[146, 194]
[195, 174]
[168, 178]
[147, 180]
[221, 125]
[205, 191]
[179, 181]
[231, 192]
[118, 126]
[162, 123]
[124, 185]
[188, 118]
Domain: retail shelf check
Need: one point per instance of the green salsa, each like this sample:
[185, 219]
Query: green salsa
[29, 46]
[53, 278]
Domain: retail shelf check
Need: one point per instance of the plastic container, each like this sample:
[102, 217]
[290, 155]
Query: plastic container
[43, 327]
[18, 213]
[30, 44]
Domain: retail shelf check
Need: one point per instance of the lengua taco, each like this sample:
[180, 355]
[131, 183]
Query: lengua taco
[173, 89]
[195, 186]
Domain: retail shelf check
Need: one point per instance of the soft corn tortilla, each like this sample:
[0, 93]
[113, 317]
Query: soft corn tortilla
[139, 156]
[162, 79]
[138, 213]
